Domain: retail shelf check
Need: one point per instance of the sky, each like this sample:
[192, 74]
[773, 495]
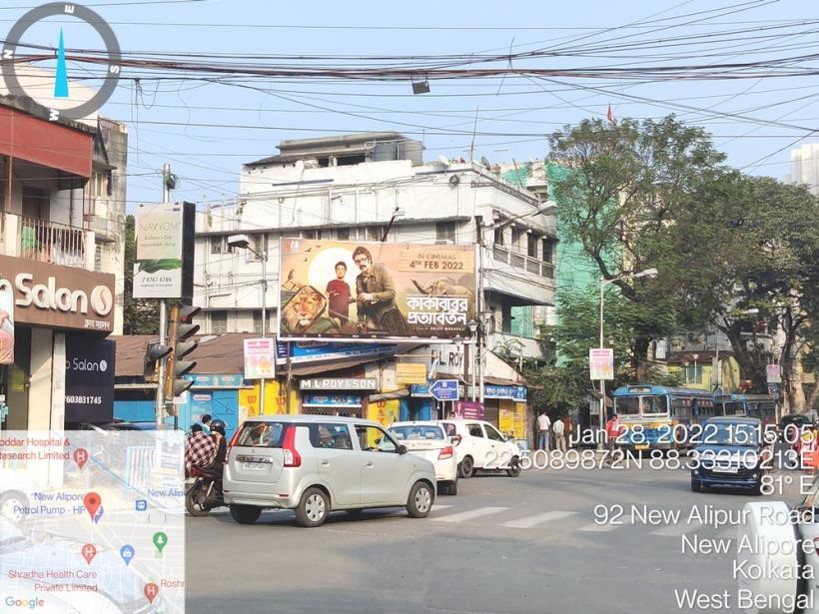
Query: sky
[206, 125]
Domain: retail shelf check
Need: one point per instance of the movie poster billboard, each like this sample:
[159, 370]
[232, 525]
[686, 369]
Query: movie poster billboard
[361, 290]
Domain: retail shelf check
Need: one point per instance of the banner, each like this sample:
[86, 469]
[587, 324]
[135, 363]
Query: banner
[89, 379]
[773, 374]
[260, 358]
[356, 290]
[158, 260]
[470, 410]
[6, 327]
[410, 373]
[601, 363]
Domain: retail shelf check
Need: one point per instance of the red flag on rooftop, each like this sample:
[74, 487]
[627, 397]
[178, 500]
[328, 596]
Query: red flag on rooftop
[610, 115]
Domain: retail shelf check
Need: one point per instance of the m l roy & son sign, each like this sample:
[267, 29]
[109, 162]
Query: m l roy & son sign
[58, 297]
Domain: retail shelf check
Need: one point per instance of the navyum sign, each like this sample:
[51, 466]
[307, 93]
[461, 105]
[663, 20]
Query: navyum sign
[58, 297]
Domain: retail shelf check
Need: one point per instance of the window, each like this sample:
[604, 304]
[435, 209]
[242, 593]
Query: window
[218, 322]
[218, 245]
[445, 232]
[98, 258]
[531, 245]
[311, 234]
[332, 436]
[450, 429]
[498, 236]
[475, 430]
[417, 432]
[516, 234]
[492, 433]
[261, 434]
[626, 405]
[546, 250]
[374, 439]
[374, 233]
[343, 234]
[693, 374]
[258, 243]
[654, 405]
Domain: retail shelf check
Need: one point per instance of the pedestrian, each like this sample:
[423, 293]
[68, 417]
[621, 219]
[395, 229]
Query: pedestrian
[613, 427]
[204, 422]
[543, 431]
[568, 430]
[560, 438]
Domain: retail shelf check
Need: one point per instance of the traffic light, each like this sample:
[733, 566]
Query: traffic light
[154, 354]
[181, 331]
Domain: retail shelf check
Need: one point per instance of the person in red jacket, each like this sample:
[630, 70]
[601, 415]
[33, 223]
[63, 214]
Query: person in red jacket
[614, 429]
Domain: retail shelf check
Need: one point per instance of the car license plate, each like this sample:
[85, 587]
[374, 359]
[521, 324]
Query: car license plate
[718, 469]
[641, 446]
[254, 466]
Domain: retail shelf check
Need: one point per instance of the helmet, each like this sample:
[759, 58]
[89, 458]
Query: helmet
[218, 426]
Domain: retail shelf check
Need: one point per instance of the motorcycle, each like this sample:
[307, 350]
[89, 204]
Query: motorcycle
[203, 492]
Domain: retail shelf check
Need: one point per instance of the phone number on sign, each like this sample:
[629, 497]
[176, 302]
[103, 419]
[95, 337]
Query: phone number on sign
[83, 399]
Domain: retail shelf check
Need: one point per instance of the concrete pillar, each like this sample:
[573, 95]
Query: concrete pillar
[39, 393]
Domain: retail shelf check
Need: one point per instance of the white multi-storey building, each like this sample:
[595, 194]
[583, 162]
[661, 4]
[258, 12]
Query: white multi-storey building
[358, 187]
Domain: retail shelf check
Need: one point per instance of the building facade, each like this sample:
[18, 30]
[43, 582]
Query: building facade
[58, 277]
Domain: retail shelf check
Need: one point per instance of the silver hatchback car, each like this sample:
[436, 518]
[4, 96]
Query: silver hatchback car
[318, 464]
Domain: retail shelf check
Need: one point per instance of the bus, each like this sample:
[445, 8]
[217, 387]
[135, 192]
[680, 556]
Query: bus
[759, 406]
[660, 417]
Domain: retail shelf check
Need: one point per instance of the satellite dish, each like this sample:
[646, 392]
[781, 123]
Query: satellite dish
[485, 162]
[454, 180]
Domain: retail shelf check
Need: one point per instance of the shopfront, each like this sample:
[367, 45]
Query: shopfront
[41, 305]
[336, 396]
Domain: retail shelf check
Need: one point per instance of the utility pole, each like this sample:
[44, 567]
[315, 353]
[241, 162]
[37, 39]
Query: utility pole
[479, 302]
[163, 314]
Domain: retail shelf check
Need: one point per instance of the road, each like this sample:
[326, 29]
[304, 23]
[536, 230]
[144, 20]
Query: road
[502, 545]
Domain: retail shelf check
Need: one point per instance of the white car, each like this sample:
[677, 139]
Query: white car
[427, 440]
[479, 445]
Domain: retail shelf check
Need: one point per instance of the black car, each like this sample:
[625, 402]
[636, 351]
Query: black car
[730, 452]
[798, 422]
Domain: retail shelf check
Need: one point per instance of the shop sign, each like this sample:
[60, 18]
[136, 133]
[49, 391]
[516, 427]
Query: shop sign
[514, 393]
[58, 296]
[411, 373]
[469, 410]
[327, 383]
[217, 381]
[316, 351]
[89, 379]
[331, 400]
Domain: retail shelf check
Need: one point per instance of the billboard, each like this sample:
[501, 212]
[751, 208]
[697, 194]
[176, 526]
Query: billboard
[89, 379]
[158, 261]
[359, 290]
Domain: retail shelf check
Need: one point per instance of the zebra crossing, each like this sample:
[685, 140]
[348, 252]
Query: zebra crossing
[582, 522]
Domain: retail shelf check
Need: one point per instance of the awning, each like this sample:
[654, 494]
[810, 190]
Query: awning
[301, 370]
[389, 396]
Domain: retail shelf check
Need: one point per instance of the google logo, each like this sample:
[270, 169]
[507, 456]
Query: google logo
[24, 603]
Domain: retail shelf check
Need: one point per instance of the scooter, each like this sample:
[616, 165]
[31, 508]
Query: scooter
[203, 492]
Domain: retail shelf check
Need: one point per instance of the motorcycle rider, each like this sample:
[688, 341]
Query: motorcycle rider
[217, 429]
[200, 450]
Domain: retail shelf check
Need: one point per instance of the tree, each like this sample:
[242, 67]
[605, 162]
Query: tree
[628, 182]
[141, 316]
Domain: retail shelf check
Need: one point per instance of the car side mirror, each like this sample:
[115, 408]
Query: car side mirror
[402, 449]
[455, 440]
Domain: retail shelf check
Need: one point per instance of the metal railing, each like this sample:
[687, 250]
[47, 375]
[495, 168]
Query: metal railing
[522, 261]
[44, 241]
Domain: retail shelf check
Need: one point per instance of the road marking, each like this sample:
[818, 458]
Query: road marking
[472, 514]
[606, 527]
[675, 530]
[530, 521]
[436, 507]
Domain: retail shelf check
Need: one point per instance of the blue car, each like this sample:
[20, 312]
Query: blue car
[729, 452]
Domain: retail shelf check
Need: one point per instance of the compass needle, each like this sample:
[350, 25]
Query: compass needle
[61, 79]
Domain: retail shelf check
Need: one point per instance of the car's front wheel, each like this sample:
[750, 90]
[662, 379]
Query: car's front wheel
[313, 508]
[696, 486]
[466, 468]
[514, 468]
[245, 514]
[420, 500]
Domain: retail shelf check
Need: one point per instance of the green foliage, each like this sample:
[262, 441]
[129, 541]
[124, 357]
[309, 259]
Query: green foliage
[141, 316]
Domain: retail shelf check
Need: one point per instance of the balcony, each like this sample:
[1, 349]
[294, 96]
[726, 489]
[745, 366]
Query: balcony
[106, 227]
[48, 242]
[523, 262]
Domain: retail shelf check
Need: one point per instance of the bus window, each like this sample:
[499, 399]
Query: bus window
[626, 406]
[654, 405]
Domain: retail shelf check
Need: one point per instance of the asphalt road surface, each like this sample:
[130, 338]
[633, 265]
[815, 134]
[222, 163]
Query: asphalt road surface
[502, 545]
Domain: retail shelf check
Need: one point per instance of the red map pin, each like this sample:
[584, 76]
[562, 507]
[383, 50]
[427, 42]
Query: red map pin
[151, 591]
[92, 503]
[89, 552]
[81, 457]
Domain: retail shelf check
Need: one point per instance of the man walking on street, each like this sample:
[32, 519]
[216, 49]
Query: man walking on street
[613, 427]
[560, 439]
[544, 434]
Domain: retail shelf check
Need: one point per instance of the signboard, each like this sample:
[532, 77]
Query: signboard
[773, 373]
[316, 351]
[601, 363]
[260, 358]
[331, 400]
[353, 290]
[411, 373]
[158, 261]
[216, 381]
[444, 389]
[6, 327]
[89, 379]
[469, 410]
[58, 296]
[773, 391]
[513, 393]
[341, 383]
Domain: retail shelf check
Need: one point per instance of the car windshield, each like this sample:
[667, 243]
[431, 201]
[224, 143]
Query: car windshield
[415, 432]
[731, 434]
[627, 405]
[261, 434]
